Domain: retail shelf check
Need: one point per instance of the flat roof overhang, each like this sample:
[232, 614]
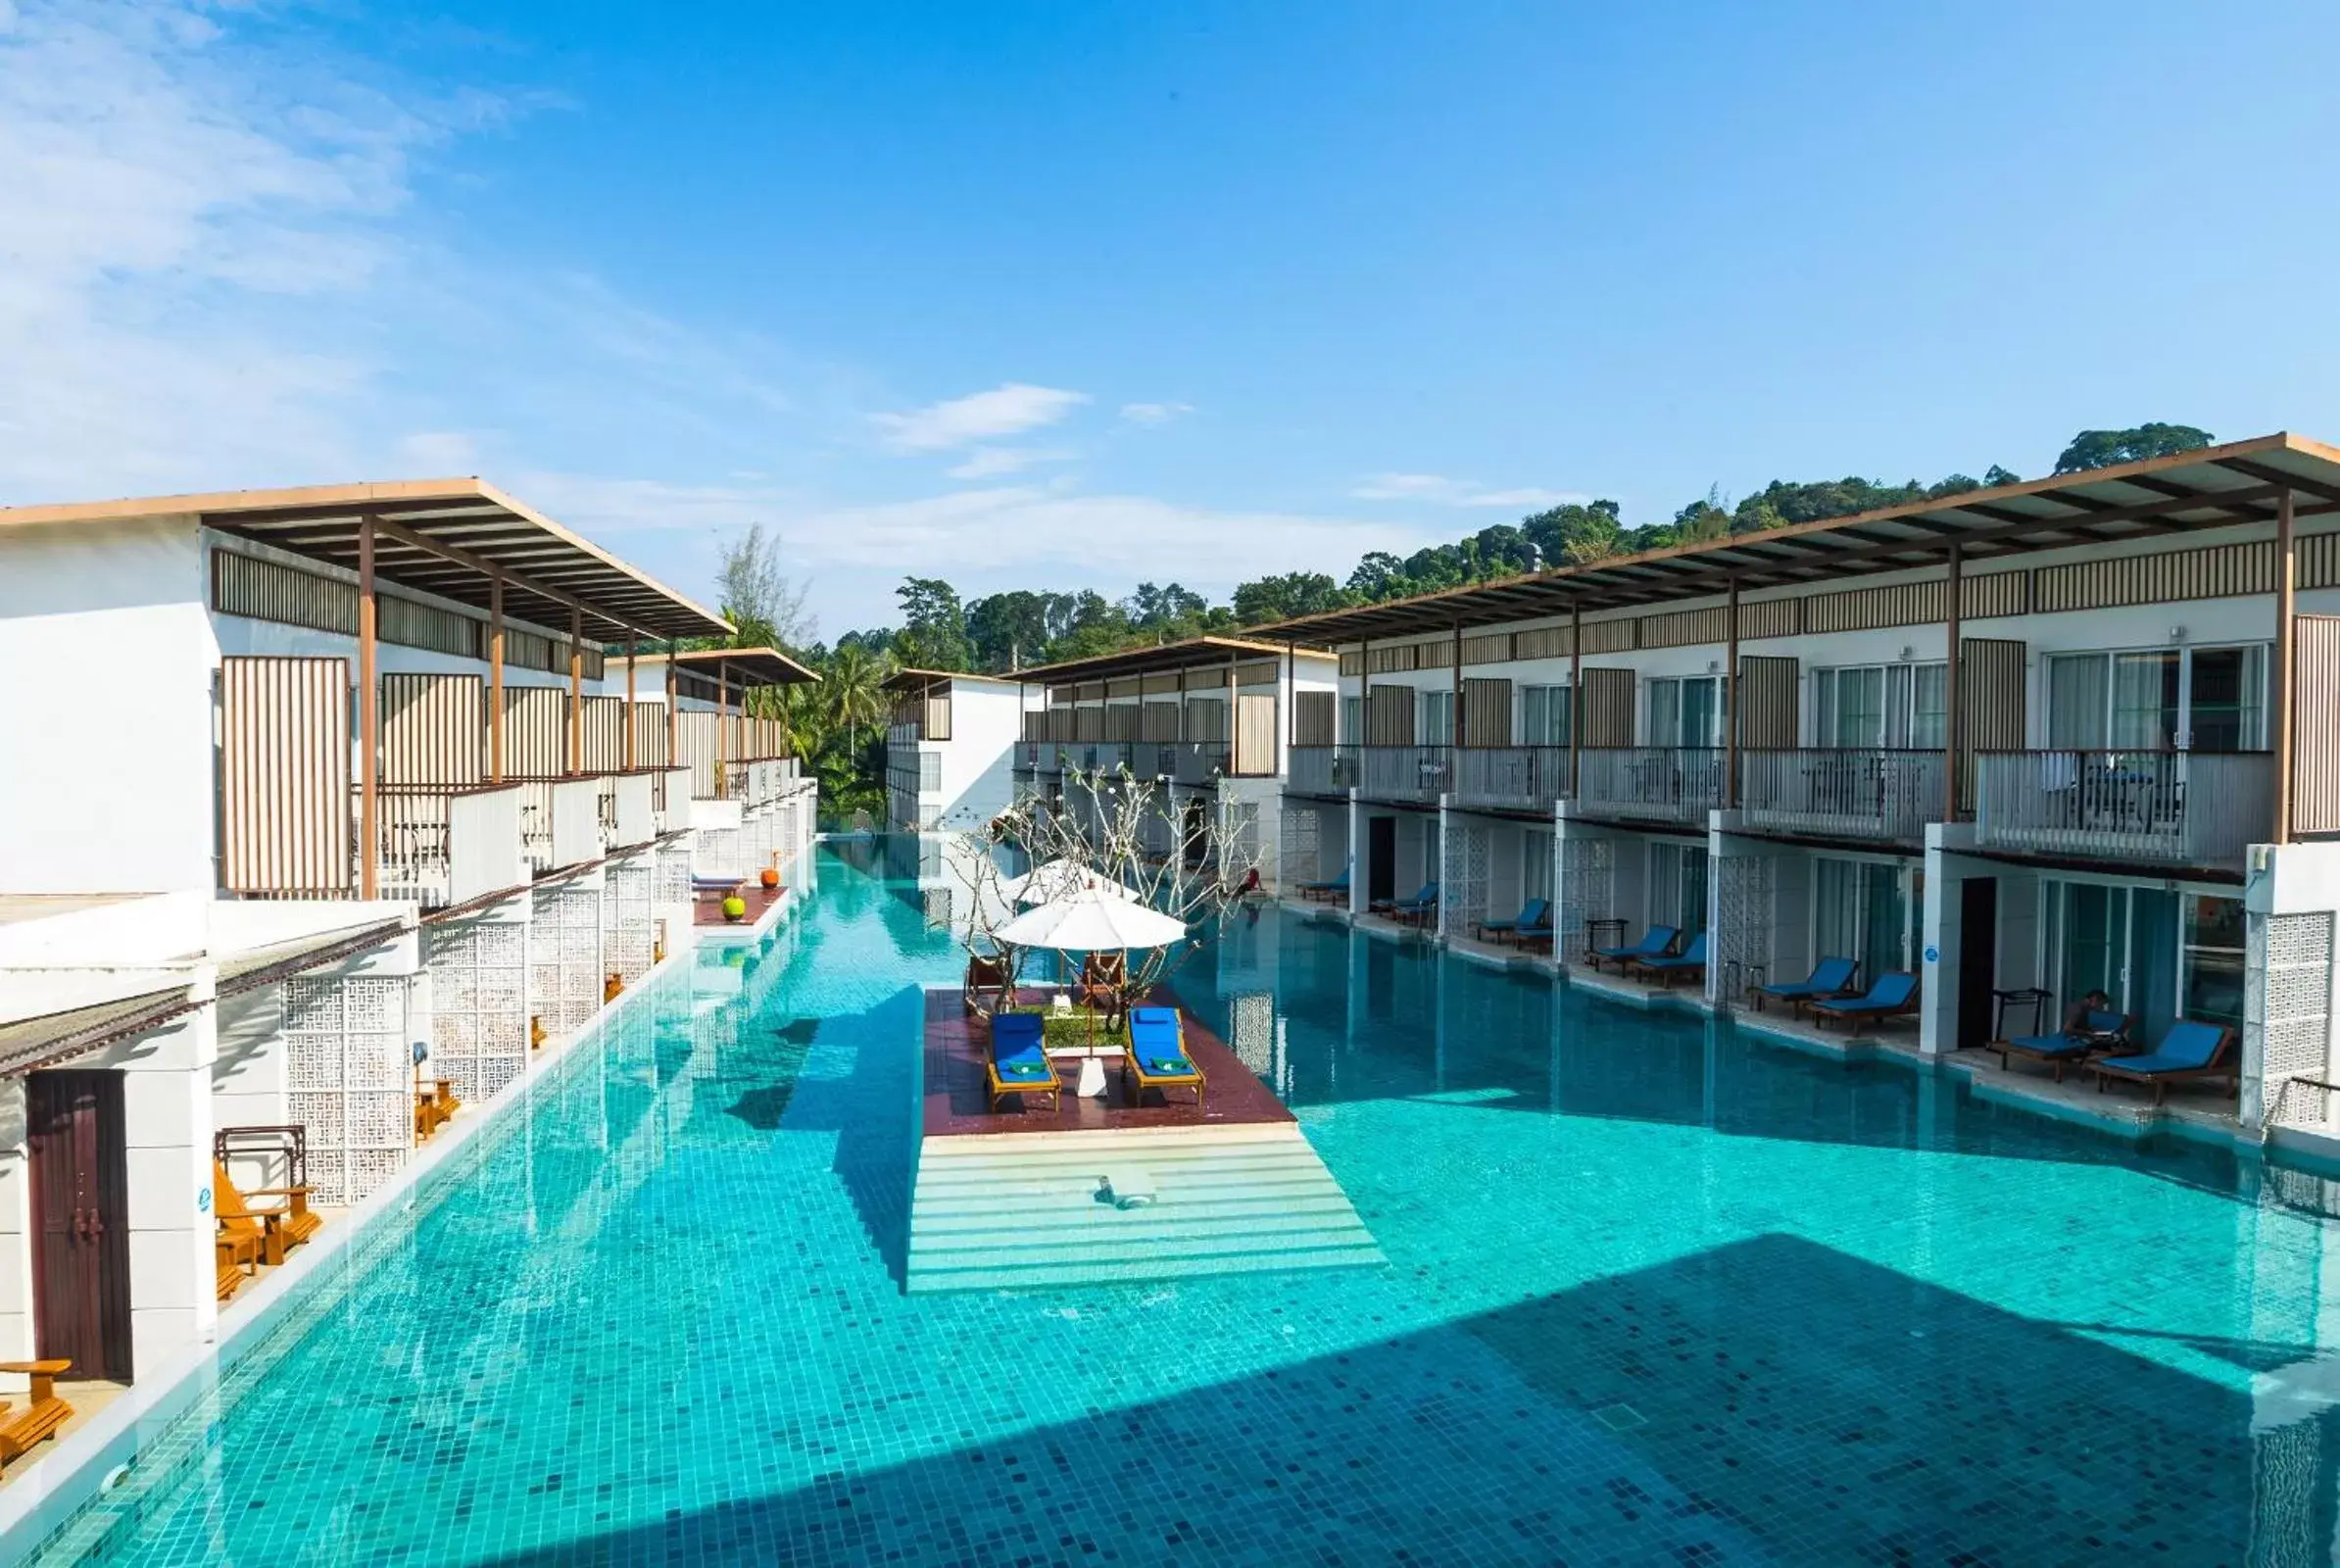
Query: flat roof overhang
[2215, 487]
[453, 538]
[739, 667]
[1194, 652]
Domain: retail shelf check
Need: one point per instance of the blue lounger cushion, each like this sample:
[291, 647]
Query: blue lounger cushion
[1422, 900]
[1158, 1043]
[2052, 1046]
[1891, 992]
[1692, 957]
[1017, 1054]
[1828, 977]
[2186, 1048]
[1655, 941]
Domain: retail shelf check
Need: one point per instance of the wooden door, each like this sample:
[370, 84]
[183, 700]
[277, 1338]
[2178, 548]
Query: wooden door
[81, 1234]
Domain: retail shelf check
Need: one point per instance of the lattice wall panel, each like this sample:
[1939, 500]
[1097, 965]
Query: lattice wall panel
[1302, 846]
[2287, 998]
[1588, 889]
[626, 920]
[1745, 907]
[1462, 876]
[350, 1081]
[721, 852]
[565, 957]
[674, 875]
[479, 1003]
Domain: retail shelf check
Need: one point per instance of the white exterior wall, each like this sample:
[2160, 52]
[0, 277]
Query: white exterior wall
[107, 722]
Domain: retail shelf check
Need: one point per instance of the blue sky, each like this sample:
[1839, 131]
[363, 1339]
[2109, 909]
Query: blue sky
[1074, 295]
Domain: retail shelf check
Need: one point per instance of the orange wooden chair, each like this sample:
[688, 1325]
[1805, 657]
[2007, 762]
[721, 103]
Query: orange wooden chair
[41, 1419]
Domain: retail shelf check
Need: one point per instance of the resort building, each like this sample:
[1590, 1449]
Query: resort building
[1212, 722]
[946, 748]
[2026, 743]
[322, 808]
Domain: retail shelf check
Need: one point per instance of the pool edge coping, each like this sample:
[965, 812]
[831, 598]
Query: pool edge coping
[41, 1499]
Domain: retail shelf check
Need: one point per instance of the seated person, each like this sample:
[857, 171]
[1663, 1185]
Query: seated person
[2077, 1024]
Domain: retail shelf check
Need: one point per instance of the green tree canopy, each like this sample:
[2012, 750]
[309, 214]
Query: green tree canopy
[2101, 449]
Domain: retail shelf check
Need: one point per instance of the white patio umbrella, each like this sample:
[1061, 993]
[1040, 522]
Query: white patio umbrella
[1093, 921]
[1060, 879]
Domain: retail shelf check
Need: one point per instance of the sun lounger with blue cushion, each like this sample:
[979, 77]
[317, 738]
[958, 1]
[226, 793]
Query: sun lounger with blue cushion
[1691, 961]
[1535, 917]
[1019, 1063]
[2188, 1051]
[1418, 907]
[1829, 977]
[1330, 891]
[2100, 1032]
[1895, 992]
[1655, 943]
[1157, 1053]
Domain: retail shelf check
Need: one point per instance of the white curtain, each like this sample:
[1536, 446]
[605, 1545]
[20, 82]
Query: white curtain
[2077, 697]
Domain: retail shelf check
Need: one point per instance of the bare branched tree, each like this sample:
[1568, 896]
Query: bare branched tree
[759, 595]
[1196, 866]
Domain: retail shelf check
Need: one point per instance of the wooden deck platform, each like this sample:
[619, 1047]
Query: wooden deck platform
[954, 1103]
[707, 907]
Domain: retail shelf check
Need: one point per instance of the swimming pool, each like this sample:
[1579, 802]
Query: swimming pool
[1657, 1290]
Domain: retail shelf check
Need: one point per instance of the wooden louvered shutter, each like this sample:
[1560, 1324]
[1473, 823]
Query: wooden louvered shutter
[1608, 708]
[433, 729]
[1486, 712]
[1766, 702]
[1312, 719]
[285, 779]
[1255, 736]
[1390, 715]
[1990, 703]
[2314, 700]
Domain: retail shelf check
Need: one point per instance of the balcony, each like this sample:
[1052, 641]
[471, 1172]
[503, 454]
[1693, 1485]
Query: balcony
[441, 847]
[1510, 778]
[1871, 794]
[2190, 809]
[1323, 770]
[1650, 783]
[1410, 775]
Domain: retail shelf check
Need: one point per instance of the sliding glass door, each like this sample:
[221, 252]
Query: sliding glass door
[1865, 910]
[2158, 700]
[2158, 953]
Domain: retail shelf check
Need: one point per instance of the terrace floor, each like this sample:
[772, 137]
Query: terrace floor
[955, 1099]
[706, 906]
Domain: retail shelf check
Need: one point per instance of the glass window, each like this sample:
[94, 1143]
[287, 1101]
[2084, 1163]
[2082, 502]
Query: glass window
[1834, 930]
[1678, 886]
[1535, 874]
[2088, 940]
[2145, 700]
[1353, 720]
[1929, 713]
[1437, 719]
[1860, 716]
[930, 773]
[2077, 684]
[2212, 985]
[1686, 712]
[1543, 715]
[2227, 699]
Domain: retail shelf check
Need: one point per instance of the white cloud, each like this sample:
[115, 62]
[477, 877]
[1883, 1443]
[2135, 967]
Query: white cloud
[1010, 408]
[1438, 490]
[987, 463]
[1154, 412]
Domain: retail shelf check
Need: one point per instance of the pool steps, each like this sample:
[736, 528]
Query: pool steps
[1021, 1211]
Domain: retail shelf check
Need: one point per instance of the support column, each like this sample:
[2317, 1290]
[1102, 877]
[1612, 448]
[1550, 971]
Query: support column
[369, 722]
[1229, 737]
[496, 676]
[1575, 690]
[576, 690]
[1455, 686]
[1731, 715]
[629, 702]
[723, 725]
[1951, 736]
[2286, 609]
[674, 757]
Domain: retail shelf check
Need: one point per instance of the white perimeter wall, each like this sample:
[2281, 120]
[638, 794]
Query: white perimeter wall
[106, 716]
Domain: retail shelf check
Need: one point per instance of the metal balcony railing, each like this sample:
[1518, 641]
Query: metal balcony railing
[1510, 778]
[2175, 808]
[1880, 794]
[1322, 770]
[1650, 783]
[1412, 773]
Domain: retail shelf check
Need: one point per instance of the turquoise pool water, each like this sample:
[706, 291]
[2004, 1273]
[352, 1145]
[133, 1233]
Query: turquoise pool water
[1657, 1292]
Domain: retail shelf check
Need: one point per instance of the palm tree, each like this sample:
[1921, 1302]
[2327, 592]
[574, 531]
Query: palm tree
[853, 691]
